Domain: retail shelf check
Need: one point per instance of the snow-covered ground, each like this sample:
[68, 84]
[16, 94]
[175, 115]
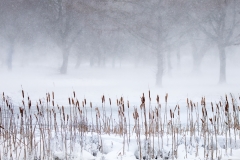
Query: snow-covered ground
[127, 82]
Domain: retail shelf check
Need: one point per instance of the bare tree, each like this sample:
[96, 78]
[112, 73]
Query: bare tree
[219, 20]
[64, 23]
[155, 24]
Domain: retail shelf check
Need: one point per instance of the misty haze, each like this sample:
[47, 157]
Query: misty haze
[116, 65]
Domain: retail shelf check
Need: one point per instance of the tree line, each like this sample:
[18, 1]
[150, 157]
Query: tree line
[109, 28]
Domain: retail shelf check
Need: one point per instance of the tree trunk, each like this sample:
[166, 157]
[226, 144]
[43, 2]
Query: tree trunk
[91, 61]
[198, 55]
[169, 62]
[196, 58]
[64, 66]
[159, 75]
[222, 58]
[10, 55]
[78, 61]
[178, 58]
[99, 59]
[113, 61]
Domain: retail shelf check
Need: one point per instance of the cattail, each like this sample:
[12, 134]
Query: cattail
[212, 107]
[121, 100]
[226, 107]
[22, 93]
[21, 111]
[91, 104]
[110, 101]
[128, 103]
[53, 102]
[157, 99]
[73, 101]
[29, 104]
[210, 120]
[170, 113]
[103, 99]
[85, 101]
[166, 97]
[69, 101]
[74, 94]
[37, 108]
[149, 94]
[63, 109]
[53, 95]
[143, 99]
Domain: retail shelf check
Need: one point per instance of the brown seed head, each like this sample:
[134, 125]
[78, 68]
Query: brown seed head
[157, 99]
[166, 97]
[22, 93]
[69, 101]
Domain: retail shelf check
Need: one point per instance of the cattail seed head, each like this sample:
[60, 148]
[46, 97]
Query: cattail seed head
[166, 97]
[73, 101]
[29, 104]
[69, 101]
[103, 99]
[22, 93]
[143, 99]
[110, 102]
[83, 103]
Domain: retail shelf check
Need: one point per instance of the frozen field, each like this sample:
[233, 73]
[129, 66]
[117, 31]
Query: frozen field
[116, 133]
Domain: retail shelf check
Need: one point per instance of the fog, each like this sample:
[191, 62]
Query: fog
[120, 48]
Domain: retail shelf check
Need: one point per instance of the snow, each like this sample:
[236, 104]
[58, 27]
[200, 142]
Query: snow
[126, 82]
